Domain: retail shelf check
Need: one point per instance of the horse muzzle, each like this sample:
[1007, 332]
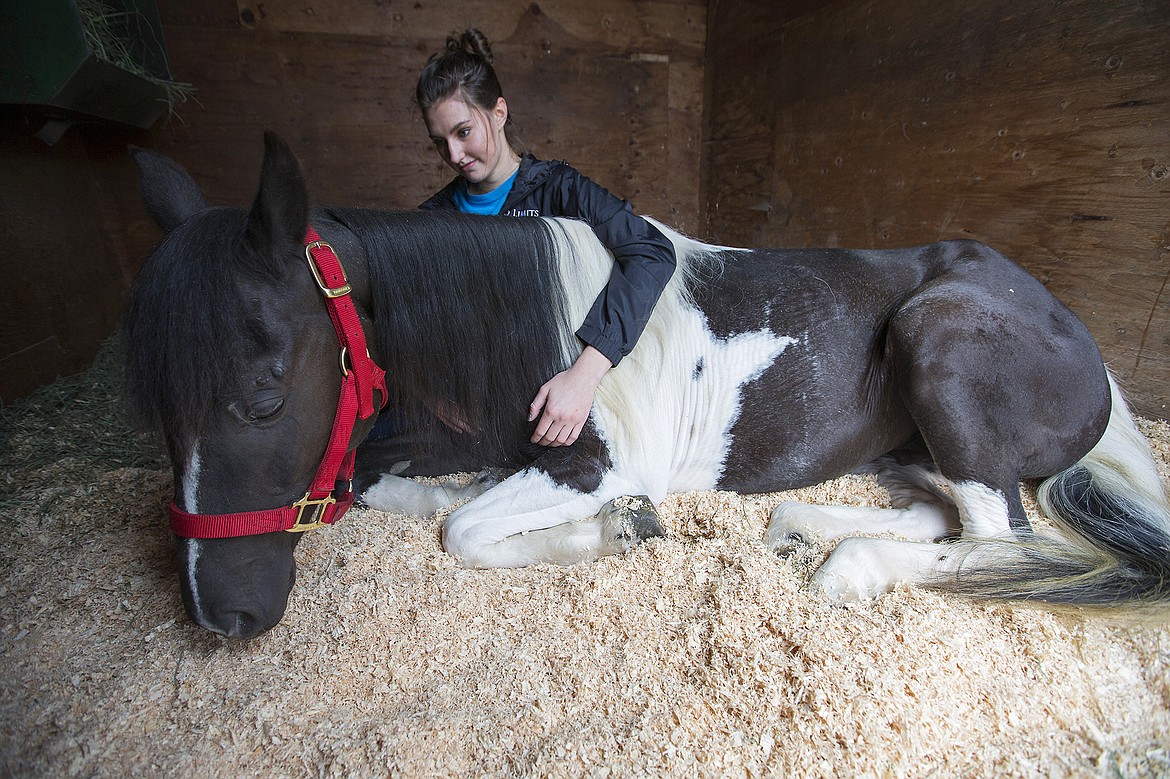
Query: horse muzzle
[237, 587]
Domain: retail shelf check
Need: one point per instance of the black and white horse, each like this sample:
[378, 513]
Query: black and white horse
[945, 369]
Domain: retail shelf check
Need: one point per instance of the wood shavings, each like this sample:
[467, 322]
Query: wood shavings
[697, 654]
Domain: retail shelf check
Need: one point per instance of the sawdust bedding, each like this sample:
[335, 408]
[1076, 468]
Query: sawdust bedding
[695, 655]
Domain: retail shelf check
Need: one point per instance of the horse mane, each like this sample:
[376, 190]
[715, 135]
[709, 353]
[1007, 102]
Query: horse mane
[469, 312]
[472, 313]
[187, 327]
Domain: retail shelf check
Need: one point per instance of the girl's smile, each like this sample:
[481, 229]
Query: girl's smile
[472, 142]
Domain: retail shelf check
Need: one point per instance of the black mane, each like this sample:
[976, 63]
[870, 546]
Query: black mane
[468, 311]
[187, 322]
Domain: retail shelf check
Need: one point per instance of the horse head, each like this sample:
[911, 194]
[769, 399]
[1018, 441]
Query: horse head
[232, 354]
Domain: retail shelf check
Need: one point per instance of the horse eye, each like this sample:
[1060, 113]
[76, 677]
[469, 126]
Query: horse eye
[258, 408]
[265, 408]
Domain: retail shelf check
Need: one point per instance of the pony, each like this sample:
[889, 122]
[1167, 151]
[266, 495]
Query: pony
[945, 370]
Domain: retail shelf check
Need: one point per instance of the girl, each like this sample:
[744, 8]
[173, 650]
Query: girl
[468, 122]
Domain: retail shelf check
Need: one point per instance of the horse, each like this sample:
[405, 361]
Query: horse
[945, 370]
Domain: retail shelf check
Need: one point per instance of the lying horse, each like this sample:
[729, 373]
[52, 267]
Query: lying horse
[945, 370]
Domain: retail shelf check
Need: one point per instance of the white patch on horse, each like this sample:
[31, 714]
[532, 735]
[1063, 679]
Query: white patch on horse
[793, 524]
[982, 510]
[558, 525]
[194, 551]
[666, 428]
[191, 471]
[862, 568]
[191, 481]
[404, 496]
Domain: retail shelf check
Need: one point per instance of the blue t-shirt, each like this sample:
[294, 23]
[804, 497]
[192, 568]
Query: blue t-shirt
[488, 203]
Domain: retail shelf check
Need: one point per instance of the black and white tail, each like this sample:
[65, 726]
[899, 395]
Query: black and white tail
[1116, 550]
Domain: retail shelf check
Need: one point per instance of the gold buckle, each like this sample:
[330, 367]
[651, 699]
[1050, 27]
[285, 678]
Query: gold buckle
[314, 520]
[327, 291]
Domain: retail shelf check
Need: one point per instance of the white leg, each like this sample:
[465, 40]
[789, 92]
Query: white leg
[793, 524]
[406, 496]
[984, 511]
[862, 568]
[528, 519]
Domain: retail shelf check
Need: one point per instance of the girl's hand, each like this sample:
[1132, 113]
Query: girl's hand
[566, 398]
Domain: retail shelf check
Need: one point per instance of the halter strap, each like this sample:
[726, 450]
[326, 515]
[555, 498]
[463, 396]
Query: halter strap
[331, 493]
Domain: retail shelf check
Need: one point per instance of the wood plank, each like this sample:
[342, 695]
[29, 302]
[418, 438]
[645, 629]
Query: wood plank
[362, 142]
[358, 137]
[612, 86]
[1042, 130]
[73, 285]
[618, 24]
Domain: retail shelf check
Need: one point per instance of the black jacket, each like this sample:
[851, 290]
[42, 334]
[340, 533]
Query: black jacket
[644, 257]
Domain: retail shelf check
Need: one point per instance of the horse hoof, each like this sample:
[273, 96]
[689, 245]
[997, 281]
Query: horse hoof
[788, 529]
[632, 519]
[792, 543]
[859, 570]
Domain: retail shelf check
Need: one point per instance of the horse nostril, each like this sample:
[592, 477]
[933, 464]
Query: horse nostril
[240, 624]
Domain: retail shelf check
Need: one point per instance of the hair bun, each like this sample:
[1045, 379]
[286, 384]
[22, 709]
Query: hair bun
[473, 42]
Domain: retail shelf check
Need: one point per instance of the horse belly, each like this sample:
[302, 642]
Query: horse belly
[826, 404]
[787, 438]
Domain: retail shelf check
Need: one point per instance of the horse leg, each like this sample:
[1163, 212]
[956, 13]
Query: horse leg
[922, 512]
[861, 568]
[531, 519]
[399, 495]
[795, 524]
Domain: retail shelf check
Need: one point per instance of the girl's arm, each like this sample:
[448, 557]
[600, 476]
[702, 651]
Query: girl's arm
[643, 263]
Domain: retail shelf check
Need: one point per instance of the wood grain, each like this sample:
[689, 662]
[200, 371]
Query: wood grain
[1042, 129]
[615, 88]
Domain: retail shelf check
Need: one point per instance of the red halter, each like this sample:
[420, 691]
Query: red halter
[331, 493]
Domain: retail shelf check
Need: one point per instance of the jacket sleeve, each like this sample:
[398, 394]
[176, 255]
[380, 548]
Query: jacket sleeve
[643, 263]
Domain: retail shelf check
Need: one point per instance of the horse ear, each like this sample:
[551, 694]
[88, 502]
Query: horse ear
[281, 209]
[170, 194]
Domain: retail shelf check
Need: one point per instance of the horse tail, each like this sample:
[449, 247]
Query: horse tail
[1115, 548]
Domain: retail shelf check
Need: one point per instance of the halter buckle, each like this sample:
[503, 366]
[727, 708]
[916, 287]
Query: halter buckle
[326, 290]
[316, 514]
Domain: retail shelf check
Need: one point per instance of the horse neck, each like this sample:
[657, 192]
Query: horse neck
[468, 311]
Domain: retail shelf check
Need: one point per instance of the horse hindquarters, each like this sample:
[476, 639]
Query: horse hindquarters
[1001, 379]
[1003, 383]
[1115, 548]
[1114, 503]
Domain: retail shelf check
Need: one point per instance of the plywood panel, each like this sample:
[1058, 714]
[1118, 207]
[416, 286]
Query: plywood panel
[615, 24]
[584, 85]
[614, 87]
[68, 273]
[1041, 129]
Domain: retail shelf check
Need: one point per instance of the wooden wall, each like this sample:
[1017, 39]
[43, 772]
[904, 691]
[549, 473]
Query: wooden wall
[1041, 127]
[73, 237]
[615, 87]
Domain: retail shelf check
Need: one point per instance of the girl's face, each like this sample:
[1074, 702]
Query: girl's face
[472, 141]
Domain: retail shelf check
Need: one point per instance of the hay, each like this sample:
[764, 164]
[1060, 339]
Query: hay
[695, 655]
[106, 30]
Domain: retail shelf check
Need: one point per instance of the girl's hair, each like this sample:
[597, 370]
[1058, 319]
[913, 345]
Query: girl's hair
[464, 69]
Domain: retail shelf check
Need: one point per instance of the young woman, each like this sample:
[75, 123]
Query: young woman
[468, 122]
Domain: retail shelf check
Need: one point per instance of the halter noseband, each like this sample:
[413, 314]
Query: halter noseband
[331, 493]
